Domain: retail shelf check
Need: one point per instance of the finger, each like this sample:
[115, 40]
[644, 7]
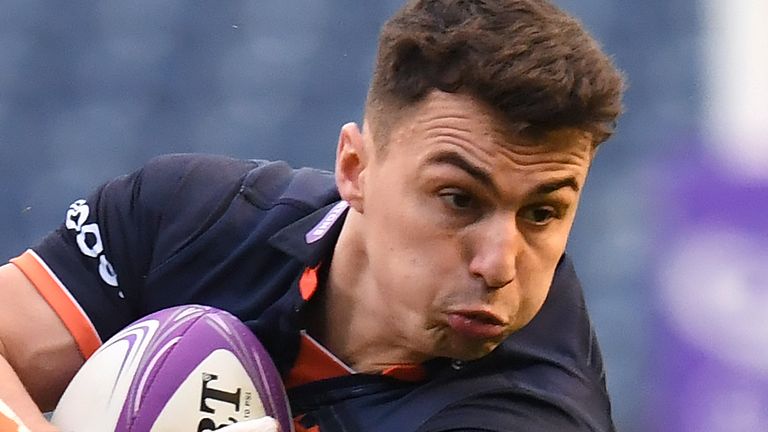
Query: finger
[264, 424]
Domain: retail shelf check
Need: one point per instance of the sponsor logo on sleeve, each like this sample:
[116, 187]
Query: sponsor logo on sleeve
[89, 239]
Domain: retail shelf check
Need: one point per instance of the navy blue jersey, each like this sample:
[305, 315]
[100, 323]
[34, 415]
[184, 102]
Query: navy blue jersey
[239, 235]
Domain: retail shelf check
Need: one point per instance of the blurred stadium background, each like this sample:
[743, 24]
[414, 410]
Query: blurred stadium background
[672, 239]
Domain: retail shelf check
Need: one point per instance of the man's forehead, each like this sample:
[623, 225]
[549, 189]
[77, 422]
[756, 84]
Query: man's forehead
[440, 108]
[542, 172]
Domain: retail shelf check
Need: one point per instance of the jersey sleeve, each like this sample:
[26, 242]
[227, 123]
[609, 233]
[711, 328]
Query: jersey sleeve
[91, 269]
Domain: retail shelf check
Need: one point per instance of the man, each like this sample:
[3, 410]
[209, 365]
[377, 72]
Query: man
[421, 286]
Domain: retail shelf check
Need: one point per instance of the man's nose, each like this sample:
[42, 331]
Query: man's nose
[495, 252]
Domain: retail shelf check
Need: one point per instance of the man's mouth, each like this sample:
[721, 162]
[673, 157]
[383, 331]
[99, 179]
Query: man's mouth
[476, 324]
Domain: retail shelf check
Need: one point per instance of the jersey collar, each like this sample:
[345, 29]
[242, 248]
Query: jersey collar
[312, 238]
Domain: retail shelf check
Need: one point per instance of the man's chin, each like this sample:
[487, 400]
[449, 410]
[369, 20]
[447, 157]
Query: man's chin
[469, 352]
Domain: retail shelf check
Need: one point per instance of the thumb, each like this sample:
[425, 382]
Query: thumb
[264, 424]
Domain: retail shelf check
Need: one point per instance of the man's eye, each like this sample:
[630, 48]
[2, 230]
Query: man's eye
[541, 215]
[457, 199]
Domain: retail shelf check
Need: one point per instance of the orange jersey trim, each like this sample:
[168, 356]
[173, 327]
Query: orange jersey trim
[314, 362]
[406, 372]
[308, 282]
[9, 421]
[300, 428]
[7, 424]
[62, 302]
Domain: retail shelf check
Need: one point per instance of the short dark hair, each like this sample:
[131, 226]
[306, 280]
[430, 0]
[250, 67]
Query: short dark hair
[526, 58]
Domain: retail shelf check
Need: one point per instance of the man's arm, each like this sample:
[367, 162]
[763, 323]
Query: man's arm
[38, 355]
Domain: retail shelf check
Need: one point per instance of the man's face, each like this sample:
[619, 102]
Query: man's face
[463, 224]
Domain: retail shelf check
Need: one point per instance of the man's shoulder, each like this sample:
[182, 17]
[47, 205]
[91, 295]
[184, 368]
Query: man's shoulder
[213, 205]
[264, 183]
[272, 183]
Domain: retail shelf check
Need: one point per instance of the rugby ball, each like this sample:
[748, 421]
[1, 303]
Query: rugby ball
[186, 368]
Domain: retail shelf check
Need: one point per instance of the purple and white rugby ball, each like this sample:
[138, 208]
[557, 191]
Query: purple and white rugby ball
[187, 368]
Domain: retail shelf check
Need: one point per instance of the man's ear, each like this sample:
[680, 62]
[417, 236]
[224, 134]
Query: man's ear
[351, 162]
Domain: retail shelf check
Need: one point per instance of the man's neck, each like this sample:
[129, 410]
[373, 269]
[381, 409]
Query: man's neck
[347, 316]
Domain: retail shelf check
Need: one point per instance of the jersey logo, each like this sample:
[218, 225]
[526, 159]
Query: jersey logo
[326, 222]
[89, 239]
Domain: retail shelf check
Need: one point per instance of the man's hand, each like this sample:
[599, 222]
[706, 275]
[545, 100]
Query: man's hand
[264, 424]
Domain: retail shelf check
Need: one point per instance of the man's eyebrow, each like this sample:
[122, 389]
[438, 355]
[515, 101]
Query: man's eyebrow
[455, 159]
[547, 188]
[484, 177]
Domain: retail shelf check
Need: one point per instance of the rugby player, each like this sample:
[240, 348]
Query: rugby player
[423, 285]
